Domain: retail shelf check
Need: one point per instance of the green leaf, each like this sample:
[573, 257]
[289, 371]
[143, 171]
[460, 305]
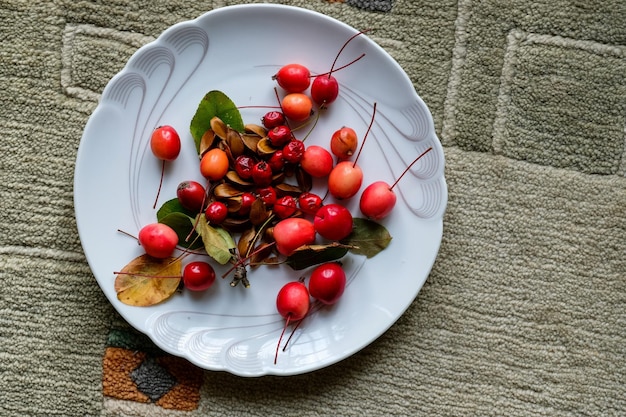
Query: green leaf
[183, 226]
[310, 255]
[217, 241]
[214, 104]
[367, 238]
[172, 206]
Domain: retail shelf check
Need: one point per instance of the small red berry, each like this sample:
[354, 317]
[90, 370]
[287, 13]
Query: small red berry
[309, 203]
[285, 206]
[243, 166]
[279, 136]
[273, 119]
[293, 151]
[262, 174]
[276, 161]
[216, 212]
[246, 203]
[165, 143]
[198, 276]
[267, 195]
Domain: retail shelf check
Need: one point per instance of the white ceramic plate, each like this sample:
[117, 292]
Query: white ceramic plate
[236, 50]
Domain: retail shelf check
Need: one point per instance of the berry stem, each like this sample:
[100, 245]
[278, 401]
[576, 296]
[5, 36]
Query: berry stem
[410, 165]
[342, 48]
[145, 275]
[317, 118]
[366, 134]
[160, 184]
[258, 107]
[294, 330]
[128, 234]
[341, 67]
[281, 337]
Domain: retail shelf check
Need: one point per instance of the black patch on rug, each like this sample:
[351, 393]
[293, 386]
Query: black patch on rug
[152, 379]
[372, 5]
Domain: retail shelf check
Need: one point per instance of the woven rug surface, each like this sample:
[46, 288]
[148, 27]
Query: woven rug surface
[524, 312]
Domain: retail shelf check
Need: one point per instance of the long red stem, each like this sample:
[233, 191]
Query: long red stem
[342, 48]
[341, 67]
[146, 275]
[294, 330]
[281, 337]
[365, 136]
[410, 165]
[160, 184]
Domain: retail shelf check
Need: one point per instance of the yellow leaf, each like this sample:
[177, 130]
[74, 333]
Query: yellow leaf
[146, 281]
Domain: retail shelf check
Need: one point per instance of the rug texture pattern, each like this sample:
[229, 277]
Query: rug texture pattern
[524, 312]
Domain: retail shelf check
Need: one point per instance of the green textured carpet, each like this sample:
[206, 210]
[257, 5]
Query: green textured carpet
[524, 312]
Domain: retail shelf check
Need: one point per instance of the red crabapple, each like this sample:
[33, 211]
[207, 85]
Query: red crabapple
[267, 195]
[297, 106]
[198, 276]
[333, 222]
[378, 198]
[293, 78]
[327, 283]
[343, 143]
[292, 303]
[276, 161]
[216, 212]
[292, 233]
[324, 89]
[317, 161]
[191, 195]
[158, 240]
[345, 180]
[165, 143]
[214, 164]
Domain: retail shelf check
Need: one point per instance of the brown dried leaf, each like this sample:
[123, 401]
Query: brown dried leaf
[146, 281]
[233, 204]
[251, 142]
[219, 127]
[288, 189]
[207, 141]
[304, 179]
[236, 225]
[259, 212]
[258, 130]
[245, 241]
[265, 148]
[226, 191]
[233, 177]
[235, 142]
[262, 255]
